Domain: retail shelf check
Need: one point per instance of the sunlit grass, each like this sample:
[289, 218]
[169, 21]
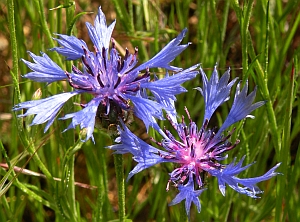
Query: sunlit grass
[68, 180]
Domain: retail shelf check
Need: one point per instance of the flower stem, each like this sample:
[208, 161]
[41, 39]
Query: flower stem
[118, 159]
[14, 47]
[14, 73]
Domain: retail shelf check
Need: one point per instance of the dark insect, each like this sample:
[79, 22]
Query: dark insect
[109, 122]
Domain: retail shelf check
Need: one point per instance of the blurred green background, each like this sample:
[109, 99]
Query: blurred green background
[71, 181]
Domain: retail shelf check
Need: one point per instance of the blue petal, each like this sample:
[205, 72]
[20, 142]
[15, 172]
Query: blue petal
[130, 143]
[190, 195]
[164, 90]
[146, 160]
[143, 153]
[215, 91]
[71, 47]
[44, 109]
[146, 110]
[85, 117]
[250, 183]
[45, 70]
[170, 86]
[227, 176]
[100, 34]
[169, 106]
[242, 106]
[166, 55]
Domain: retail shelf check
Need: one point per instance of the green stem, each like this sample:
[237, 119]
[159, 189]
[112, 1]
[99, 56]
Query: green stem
[263, 84]
[105, 184]
[31, 194]
[14, 48]
[285, 149]
[33, 152]
[6, 207]
[267, 41]
[71, 189]
[243, 16]
[69, 172]
[118, 159]
[244, 31]
[14, 73]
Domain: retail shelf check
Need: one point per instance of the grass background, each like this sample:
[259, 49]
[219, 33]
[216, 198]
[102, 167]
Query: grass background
[259, 40]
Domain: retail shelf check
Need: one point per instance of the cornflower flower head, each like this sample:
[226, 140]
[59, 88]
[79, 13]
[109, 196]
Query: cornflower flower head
[199, 151]
[116, 84]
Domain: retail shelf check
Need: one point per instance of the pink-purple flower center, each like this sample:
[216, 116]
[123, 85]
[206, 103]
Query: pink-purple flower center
[196, 153]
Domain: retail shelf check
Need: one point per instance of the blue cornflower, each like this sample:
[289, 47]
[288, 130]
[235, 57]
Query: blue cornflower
[199, 151]
[117, 86]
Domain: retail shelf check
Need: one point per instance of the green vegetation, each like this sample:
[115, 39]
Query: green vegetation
[56, 177]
